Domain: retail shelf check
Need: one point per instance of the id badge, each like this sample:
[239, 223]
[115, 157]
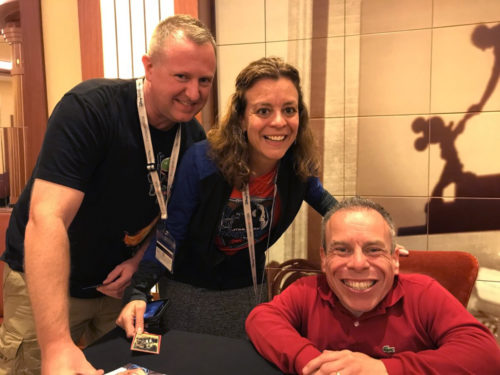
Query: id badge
[165, 246]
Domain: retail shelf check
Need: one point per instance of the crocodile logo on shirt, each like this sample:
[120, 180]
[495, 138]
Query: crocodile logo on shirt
[389, 349]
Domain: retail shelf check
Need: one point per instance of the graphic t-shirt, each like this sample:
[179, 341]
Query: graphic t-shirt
[232, 235]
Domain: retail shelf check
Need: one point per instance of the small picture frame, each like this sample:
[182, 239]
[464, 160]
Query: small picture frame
[146, 342]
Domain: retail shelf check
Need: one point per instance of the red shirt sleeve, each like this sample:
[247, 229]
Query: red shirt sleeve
[274, 328]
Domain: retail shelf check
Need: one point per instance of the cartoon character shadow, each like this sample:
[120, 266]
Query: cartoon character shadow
[485, 37]
[435, 130]
[459, 215]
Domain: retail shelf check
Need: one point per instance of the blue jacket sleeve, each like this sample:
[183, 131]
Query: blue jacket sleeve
[318, 197]
[183, 202]
[185, 196]
[146, 276]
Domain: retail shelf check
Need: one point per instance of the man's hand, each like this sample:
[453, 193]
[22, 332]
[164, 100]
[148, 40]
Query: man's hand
[67, 359]
[344, 362]
[120, 277]
[132, 312]
[117, 280]
[402, 250]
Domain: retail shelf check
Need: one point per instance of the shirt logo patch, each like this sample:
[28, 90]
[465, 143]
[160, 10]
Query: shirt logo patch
[389, 349]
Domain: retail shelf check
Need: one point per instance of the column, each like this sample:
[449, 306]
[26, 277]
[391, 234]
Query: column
[15, 134]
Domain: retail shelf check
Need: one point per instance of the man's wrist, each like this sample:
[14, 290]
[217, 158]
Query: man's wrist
[308, 353]
[55, 346]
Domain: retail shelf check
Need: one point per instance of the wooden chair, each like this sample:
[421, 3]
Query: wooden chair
[279, 276]
[454, 270]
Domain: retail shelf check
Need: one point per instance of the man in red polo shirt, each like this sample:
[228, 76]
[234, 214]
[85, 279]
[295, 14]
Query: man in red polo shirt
[361, 317]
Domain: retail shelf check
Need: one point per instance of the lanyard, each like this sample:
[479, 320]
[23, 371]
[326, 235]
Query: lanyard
[247, 211]
[150, 158]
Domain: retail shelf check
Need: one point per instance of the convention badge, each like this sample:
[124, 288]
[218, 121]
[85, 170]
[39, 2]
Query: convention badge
[165, 246]
[146, 342]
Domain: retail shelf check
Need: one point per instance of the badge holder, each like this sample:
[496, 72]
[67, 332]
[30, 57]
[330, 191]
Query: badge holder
[165, 243]
[165, 246]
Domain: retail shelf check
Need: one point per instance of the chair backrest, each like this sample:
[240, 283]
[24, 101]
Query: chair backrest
[280, 276]
[454, 270]
[4, 222]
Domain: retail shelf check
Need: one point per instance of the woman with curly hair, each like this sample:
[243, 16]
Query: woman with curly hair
[234, 196]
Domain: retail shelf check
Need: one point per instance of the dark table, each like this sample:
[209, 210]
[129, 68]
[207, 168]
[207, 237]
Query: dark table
[182, 353]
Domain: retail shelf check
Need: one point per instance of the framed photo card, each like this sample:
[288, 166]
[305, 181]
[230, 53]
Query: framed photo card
[146, 342]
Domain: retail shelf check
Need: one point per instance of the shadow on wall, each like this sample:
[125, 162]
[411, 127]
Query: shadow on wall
[461, 215]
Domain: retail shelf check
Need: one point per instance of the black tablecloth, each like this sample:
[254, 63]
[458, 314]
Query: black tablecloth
[182, 353]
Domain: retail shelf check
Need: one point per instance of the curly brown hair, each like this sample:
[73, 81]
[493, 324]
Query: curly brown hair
[228, 144]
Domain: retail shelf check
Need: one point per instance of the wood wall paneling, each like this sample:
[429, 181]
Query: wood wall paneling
[206, 14]
[89, 22]
[34, 88]
[318, 96]
[186, 7]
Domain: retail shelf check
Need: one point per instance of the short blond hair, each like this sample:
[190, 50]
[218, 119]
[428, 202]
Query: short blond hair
[191, 28]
